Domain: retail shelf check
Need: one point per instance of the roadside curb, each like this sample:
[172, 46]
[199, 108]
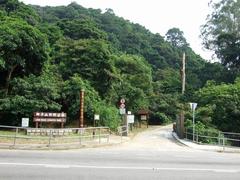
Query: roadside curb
[174, 135]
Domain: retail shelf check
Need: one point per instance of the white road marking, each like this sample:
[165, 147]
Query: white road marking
[121, 167]
[57, 166]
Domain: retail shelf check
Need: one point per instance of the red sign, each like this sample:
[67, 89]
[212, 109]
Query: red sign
[122, 105]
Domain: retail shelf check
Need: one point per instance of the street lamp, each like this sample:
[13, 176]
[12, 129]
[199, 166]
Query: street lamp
[193, 107]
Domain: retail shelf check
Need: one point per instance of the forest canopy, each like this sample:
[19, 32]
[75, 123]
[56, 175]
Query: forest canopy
[48, 54]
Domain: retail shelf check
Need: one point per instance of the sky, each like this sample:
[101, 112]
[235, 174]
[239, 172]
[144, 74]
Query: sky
[156, 15]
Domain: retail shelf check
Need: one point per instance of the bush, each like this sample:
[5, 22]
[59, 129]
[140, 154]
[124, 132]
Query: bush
[204, 132]
[162, 118]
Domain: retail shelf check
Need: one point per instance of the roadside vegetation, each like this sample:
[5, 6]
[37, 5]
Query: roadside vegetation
[48, 54]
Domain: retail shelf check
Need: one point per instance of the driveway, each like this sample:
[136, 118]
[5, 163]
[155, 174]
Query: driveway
[155, 138]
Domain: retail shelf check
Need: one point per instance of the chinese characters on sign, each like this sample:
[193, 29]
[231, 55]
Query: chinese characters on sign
[49, 117]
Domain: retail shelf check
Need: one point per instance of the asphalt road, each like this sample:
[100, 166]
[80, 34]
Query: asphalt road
[151, 155]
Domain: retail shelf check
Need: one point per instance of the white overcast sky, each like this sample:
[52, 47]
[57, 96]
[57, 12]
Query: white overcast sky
[156, 15]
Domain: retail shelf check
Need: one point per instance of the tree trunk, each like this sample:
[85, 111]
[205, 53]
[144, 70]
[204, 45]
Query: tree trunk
[9, 76]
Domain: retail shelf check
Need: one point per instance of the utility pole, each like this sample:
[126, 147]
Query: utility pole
[183, 78]
[81, 114]
[183, 74]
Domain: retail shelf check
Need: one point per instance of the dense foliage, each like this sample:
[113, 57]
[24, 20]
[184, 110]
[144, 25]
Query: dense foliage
[48, 54]
[221, 32]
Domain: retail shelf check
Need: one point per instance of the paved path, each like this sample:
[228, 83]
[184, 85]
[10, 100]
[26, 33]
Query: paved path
[153, 154]
[156, 138]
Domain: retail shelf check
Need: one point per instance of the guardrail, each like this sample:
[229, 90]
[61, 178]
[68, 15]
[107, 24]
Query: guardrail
[218, 138]
[14, 137]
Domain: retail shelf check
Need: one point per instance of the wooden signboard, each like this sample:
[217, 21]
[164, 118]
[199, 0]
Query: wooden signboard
[49, 117]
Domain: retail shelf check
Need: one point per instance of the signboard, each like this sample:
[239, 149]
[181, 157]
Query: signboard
[49, 120]
[143, 117]
[47, 114]
[122, 101]
[49, 117]
[25, 122]
[122, 106]
[130, 119]
[193, 106]
[96, 117]
[122, 111]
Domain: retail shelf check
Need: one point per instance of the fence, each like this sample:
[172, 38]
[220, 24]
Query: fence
[224, 139]
[17, 137]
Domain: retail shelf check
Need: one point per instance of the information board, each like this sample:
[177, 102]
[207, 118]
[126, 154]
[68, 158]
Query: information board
[25, 122]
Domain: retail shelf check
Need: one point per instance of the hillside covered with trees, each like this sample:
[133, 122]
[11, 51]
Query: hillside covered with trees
[48, 54]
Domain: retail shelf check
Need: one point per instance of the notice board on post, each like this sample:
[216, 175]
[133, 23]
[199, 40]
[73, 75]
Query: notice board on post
[49, 117]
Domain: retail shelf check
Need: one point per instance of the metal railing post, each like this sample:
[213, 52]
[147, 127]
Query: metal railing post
[219, 140]
[197, 136]
[94, 133]
[186, 133]
[49, 139]
[108, 135]
[121, 133]
[80, 137]
[15, 137]
[99, 134]
[223, 143]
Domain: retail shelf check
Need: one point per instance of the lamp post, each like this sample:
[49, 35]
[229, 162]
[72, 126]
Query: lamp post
[193, 107]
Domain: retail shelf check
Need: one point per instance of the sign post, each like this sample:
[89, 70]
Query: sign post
[122, 107]
[96, 118]
[130, 121]
[122, 112]
[193, 107]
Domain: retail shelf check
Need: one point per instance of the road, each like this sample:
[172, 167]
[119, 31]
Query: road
[151, 155]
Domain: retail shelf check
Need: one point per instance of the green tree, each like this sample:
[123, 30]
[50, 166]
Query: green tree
[176, 37]
[224, 101]
[23, 49]
[167, 81]
[90, 58]
[52, 32]
[93, 103]
[81, 29]
[30, 94]
[221, 32]
[132, 80]
[16, 9]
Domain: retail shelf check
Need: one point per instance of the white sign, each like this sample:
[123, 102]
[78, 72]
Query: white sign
[122, 111]
[25, 122]
[122, 101]
[130, 118]
[144, 117]
[96, 117]
[193, 106]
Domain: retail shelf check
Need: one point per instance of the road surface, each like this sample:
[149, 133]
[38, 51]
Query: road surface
[151, 155]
